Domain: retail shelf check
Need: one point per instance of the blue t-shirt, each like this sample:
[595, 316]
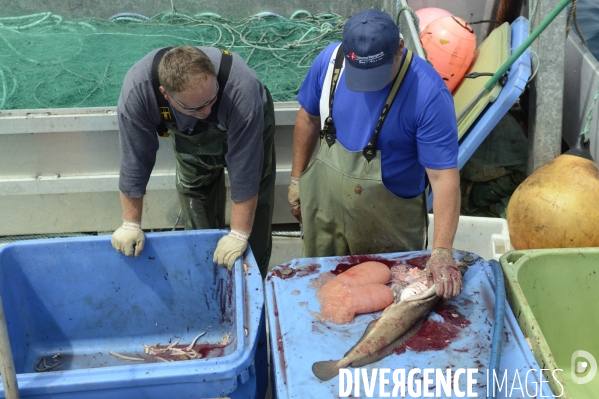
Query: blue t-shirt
[420, 129]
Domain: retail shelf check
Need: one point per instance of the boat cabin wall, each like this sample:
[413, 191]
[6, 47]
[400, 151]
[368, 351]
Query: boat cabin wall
[59, 172]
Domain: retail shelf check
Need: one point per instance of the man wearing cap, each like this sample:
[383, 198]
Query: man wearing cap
[217, 114]
[387, 127]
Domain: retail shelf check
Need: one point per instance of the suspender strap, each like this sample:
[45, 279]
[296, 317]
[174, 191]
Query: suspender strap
[164, 106]
[329, 132]
[336, 72]
[223, 75]
[370, 150]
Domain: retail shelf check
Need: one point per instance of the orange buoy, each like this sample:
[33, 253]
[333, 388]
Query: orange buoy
[429, 14]
[450, 44]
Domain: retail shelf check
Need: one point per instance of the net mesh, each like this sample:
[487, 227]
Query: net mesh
[47, 61]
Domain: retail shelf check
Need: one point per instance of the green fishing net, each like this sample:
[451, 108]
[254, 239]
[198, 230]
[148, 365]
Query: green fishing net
[47, 61]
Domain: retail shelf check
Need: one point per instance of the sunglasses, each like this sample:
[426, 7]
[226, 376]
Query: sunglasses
[193, 109]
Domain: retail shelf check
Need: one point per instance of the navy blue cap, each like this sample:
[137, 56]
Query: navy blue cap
[370, 40]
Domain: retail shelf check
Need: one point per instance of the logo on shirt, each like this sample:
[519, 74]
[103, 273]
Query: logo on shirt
[166, 113]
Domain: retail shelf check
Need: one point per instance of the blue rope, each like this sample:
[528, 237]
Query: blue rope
[300, 12]
[267, 14]
[207, 15]
[497, 342]
[129, 15]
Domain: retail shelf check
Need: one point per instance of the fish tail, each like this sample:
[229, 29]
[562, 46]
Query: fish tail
[326, 370]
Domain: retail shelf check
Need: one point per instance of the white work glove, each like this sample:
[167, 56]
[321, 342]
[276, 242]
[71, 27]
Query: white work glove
[230, 247]
[129, 238]
[293, 196]
[442, 270]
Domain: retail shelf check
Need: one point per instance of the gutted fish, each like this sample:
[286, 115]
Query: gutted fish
[398, 323]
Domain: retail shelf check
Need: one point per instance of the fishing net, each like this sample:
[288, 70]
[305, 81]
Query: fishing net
[47, 61]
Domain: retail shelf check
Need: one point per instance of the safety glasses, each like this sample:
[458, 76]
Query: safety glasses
[193, 109]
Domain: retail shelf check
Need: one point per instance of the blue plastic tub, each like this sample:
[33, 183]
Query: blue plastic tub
[80, 298]
[517, 79]
[516, 82]
[458, 334]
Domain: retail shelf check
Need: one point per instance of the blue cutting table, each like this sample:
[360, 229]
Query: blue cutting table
[298, 339]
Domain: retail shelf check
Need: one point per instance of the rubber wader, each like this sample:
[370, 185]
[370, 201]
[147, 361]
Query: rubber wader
[201, 161]
[200, 182]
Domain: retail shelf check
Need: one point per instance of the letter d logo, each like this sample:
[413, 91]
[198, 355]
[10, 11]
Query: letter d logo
[592, 371]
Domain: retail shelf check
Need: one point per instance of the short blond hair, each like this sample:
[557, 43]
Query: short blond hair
[182, 67]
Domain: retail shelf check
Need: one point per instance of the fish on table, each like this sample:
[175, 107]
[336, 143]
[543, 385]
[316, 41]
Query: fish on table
[398, 323]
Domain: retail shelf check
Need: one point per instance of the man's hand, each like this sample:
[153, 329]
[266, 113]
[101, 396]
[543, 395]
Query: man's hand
[230, 247]
[442, 270]
[129, 239]
[293, 196]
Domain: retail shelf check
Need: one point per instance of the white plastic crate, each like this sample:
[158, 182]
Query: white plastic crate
[489, 238]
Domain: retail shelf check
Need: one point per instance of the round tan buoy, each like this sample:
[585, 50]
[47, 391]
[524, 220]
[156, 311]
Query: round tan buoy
[558, 205]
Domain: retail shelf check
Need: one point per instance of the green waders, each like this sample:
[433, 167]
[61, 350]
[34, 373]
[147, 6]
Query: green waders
[346, 208]
[201, 183]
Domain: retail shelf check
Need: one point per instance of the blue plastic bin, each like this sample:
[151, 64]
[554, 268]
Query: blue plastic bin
[517, 79]
[298, 339]
[80, 298]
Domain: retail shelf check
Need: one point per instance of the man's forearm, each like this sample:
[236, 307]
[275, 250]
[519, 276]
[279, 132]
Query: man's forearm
[446, 205]
[132, 208]
[242, 214]
[305, 139]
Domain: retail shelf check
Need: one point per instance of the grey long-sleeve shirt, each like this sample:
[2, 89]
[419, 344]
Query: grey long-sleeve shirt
[240, 114]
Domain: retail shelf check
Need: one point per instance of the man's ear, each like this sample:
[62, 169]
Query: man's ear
[164, 93]
[400, 46]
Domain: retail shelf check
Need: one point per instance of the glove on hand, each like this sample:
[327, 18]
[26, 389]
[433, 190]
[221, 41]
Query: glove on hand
[129, 238]
[293, 196]
[230, 247]
[442, 270]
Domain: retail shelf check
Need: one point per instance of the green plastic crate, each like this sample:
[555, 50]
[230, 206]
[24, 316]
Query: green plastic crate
[554, 295]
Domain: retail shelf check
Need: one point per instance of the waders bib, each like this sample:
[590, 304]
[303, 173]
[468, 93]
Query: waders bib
[346, 208]
[200, 177]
